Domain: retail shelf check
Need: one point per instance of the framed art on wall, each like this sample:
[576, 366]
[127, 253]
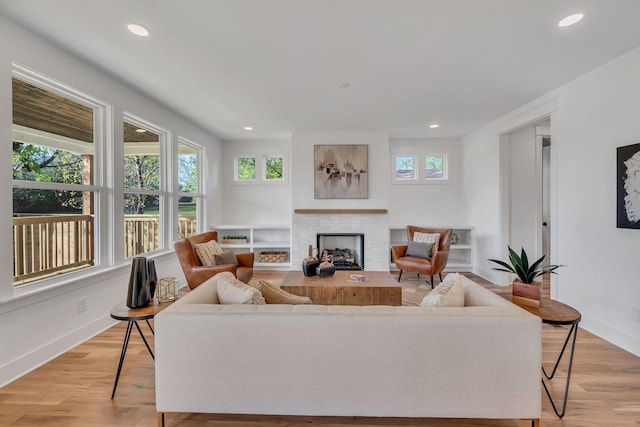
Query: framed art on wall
[340, 171]
[628, 186]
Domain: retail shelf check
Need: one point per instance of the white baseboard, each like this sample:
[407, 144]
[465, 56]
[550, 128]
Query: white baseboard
[614, 336]
[33, 360]
[485, 274]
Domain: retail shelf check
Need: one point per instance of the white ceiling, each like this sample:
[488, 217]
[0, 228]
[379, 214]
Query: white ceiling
[276, 64]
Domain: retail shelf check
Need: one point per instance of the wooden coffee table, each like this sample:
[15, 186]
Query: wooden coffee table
[380, 288]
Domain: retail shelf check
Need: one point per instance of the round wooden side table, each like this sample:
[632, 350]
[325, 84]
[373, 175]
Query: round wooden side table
[558, 314]
[132, 316]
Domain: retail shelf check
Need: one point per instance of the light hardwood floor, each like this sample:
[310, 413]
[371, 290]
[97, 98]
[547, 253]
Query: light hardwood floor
[74, 389]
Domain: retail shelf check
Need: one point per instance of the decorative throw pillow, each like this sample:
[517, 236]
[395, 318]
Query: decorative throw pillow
[428, 238]
[419, 249]
[449, 293]
[226, 257]
[233, 291]
[274, 295]
[207, 251]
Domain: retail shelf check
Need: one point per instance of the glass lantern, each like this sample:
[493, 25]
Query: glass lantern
[167, 289]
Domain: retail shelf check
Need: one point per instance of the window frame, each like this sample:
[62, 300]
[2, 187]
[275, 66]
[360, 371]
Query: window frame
[163, 194]
[445, 168]
[102, 113]
[199, 195]
[236, 178]
[395, 171]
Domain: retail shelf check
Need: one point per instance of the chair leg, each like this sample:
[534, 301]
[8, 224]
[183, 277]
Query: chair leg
[440, 274]
[418, 276]
[431, 282]
[400, 276]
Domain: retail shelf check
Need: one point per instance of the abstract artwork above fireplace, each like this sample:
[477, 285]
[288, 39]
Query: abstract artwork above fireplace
[340, 171]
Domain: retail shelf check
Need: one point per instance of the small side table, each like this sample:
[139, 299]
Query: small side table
[558, 314]
[132, 316]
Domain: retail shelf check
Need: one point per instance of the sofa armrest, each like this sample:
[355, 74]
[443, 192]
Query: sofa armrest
[398, 251]
[245, 259]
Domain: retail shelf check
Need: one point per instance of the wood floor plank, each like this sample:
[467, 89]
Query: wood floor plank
[74, 389]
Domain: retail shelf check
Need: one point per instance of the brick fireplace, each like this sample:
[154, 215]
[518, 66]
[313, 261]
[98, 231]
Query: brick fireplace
[372, 223]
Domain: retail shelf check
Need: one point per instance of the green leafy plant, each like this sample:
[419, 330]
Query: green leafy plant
[234, 237]
[519, 265]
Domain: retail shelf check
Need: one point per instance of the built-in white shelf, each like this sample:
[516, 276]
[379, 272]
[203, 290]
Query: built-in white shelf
[460, 253]
[272, 238]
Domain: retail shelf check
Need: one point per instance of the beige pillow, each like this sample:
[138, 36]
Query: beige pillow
[207, 252]
[274, 295]
[233, 291]
[449, 293]
[428, 238]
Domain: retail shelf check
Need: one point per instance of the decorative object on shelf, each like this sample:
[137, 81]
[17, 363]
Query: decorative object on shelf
[310, 263]
[234, 240]
[359, 278]
[526, 290]
[340, 171]
[272, 256]
[138, 292]
[454, 239]
[628, 177]
[152, 277]
[167, 289]
[326, 267]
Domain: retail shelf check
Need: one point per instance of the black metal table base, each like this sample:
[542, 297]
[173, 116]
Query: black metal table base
[574, 331]
[125, 344]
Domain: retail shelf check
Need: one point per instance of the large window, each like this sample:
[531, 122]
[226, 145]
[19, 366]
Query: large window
[143, 198]
[189, 188]
[55, 194]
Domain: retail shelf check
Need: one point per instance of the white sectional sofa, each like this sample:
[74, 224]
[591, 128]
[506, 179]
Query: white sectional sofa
[478, 361]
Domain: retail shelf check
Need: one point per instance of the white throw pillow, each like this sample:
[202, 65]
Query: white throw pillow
[449, 293]
[233, 291]
[428, 238]
[207, 252]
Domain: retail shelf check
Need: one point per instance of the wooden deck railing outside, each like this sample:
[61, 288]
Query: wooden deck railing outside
[44, 245]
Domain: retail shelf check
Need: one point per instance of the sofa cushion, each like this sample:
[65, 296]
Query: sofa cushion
[233, 291]
[274, 295]
[226, 257]
[428, 238]
[207, 251]
[449, 293]
[419, 249]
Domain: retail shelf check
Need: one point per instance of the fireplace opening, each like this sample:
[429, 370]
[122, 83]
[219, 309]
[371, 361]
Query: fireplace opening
[346, 250]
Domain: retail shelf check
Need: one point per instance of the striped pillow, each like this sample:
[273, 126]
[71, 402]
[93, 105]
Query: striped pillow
[207, 252]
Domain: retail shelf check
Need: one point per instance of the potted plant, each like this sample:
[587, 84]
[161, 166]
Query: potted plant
[526, 290]
[234, 239]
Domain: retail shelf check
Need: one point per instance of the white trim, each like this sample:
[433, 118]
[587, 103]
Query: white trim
[51, 140]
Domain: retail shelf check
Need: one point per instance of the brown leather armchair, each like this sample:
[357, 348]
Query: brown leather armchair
[430, 266]
[196, 273]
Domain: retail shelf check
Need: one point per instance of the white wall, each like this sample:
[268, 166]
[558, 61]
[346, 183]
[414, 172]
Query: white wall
[256, 203]
[37, 326]
[302, 169]
[427, 204]
[590, 117]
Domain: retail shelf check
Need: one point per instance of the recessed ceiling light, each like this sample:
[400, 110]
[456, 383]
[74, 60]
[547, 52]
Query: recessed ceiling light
[248, 128]
[138, 30]
[140, 130]
[434, 125]
[570, 20]
[344, 85]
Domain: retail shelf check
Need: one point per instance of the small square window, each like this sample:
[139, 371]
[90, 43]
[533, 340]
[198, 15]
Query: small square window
[245, 169]
[435, 167]
[405, 167]
[273, 168]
